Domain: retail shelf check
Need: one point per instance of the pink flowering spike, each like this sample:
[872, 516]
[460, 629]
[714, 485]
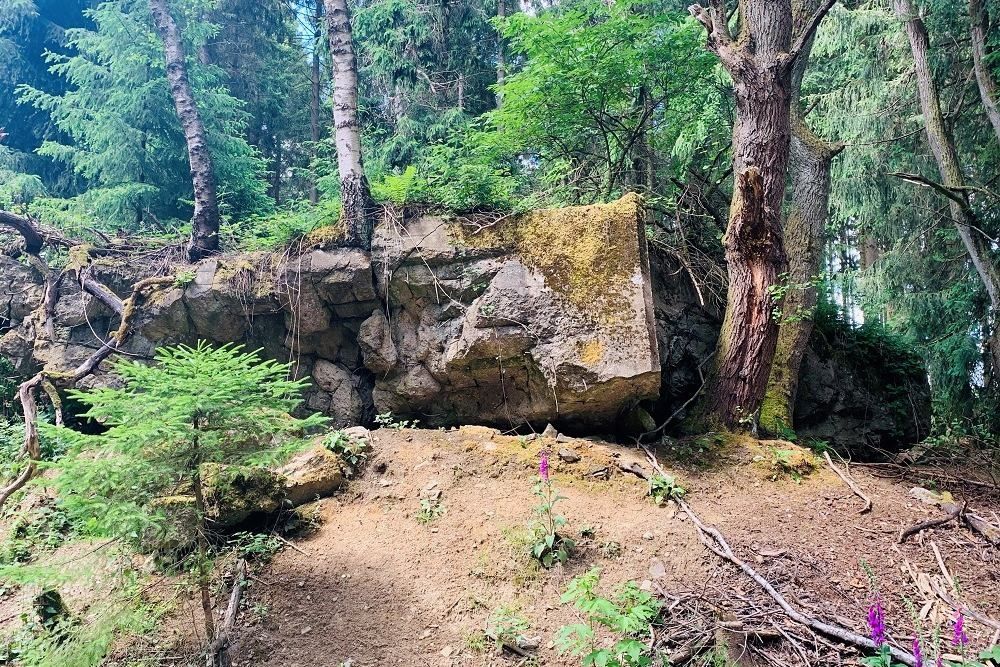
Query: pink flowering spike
[543, 466]
[876, 622]
[918, 654]
[959, 637]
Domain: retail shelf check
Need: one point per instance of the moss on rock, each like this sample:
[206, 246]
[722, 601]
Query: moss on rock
[587, 254]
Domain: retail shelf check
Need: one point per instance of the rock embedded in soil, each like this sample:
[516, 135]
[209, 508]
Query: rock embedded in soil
[568, 455]
[313, 473]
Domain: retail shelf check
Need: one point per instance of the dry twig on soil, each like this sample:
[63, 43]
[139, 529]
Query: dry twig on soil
[931, 523]
[845, 475]
[218, 651]
[717, 544]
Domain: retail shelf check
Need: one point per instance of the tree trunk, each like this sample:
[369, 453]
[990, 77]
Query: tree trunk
[804, 241]
[501, 54]
[639, 177]
[943, 148]
[276, 181]
[760, 64]
[205, 221]
[201, 539]
[987, 87]
[314, 98]
[357, 209]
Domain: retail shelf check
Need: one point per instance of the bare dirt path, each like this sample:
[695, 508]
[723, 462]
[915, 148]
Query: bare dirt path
[374, 586]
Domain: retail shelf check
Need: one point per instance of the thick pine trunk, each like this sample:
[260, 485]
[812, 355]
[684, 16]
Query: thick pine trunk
[205, 221]
[759, 62]
[357, 212]
[987, 87]
[943, 148]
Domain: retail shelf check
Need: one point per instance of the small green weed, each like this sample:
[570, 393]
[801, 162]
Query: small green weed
[665, 487]
[184, 278]
[429, 510]
[505, 625]
[625, 615]
[259, 547]
[388, 420]
[351, 450]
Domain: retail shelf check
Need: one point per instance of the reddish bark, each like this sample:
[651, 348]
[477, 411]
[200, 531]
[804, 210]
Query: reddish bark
[760, 63]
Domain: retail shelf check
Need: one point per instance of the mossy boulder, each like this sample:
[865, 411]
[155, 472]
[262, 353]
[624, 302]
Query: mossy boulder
[235, 494]
[313, 473]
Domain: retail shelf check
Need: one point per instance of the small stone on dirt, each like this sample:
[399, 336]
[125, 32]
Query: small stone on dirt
[563, 438]
[657, 569]
[647, 536]
[447, 651]
[568, 455]
[529, 643]
[550, 432]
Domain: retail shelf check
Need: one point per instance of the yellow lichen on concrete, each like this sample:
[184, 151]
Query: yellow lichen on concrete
[590, 352]
[588, 254]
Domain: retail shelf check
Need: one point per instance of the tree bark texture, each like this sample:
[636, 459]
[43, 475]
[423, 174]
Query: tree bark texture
[501, 53]
[804, 233]
[205, 221]
[804, 230]
[315, 91]
[357, 212]
[946, 157]
[759, 62]
[987, 86]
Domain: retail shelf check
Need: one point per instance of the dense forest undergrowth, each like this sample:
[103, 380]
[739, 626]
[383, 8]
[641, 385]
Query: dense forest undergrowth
[817, 190]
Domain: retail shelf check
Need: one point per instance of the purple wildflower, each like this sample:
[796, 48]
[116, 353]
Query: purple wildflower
[543, 466]
[958, 636]
[918, 654]
[876, 622]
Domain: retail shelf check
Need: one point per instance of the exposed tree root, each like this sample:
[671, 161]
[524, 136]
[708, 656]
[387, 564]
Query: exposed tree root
[218, 650]
[953, 514]
[34, 240]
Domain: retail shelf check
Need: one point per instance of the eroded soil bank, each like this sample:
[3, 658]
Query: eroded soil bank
[373, 585]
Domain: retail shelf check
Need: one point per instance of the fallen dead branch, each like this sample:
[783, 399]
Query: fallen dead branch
[931, 523]
[717, 544]
[34, 240]
[943, 588]
[845, 476]
[218, 650]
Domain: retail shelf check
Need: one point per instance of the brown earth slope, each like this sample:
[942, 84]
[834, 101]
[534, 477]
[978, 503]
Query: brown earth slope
[375, 586]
